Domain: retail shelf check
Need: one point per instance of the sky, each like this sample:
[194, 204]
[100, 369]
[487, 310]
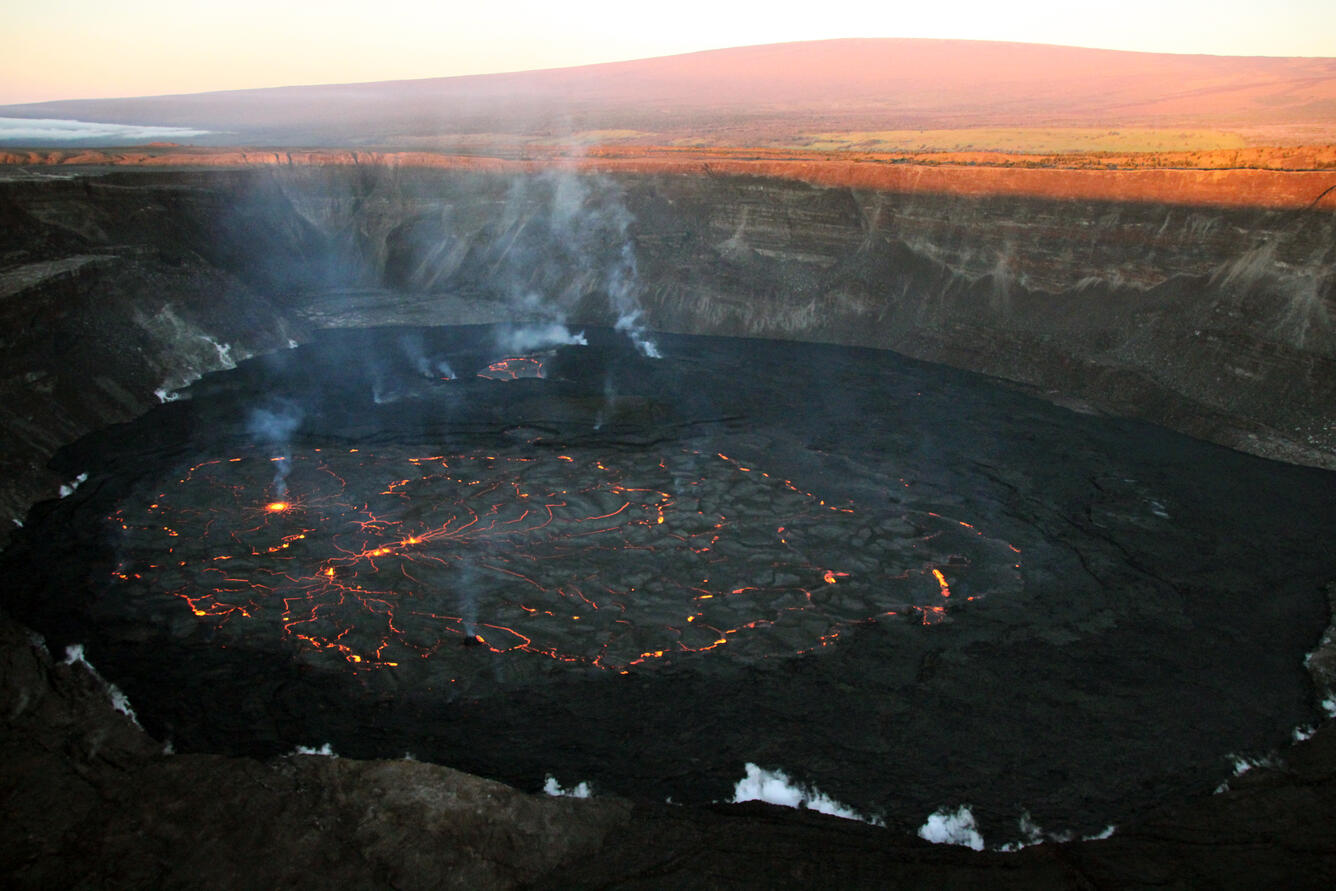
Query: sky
[79, 49]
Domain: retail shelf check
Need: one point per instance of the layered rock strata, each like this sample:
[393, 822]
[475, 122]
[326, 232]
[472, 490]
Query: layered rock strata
[1216, 321]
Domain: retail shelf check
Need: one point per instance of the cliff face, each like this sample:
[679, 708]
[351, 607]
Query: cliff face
[1217, 321]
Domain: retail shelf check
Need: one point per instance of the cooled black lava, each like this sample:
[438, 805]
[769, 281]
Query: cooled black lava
[902, 584]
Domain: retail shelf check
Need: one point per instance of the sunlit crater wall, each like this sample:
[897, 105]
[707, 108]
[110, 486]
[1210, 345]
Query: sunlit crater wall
[120, 288]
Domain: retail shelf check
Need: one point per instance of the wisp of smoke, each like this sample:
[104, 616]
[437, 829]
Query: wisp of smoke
[633, 328]
[427, 366]
[274, 425]
[622, 280]
[581, 242]
[67, 489]
[326, 751]
[468, 600]
[609, 396]
[517, 339]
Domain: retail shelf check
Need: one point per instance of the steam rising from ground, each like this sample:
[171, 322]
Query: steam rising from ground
[274, 425]
[555, 789]
[531, 338]
[580, 242]
[956, 827]
[67, 489]
[631, 324]
[326, 751]
[775, 787]
[428, 366]
[74, 655]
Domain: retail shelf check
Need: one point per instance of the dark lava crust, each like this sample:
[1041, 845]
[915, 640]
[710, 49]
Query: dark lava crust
[1153, 624]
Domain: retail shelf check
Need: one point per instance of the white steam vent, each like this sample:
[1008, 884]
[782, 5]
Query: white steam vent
[67, 489]
[555, 789]
[775, 787]
[326, 751]
[952, 828]
[119, 701]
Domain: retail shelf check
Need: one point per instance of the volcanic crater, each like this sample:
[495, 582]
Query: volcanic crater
[410, 461]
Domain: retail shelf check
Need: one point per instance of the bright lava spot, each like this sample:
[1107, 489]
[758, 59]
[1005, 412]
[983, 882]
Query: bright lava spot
[277, 507]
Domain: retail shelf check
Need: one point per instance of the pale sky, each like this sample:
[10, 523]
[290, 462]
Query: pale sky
[66, 49]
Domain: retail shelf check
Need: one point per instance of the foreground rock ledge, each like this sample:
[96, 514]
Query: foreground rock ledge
[90, 801]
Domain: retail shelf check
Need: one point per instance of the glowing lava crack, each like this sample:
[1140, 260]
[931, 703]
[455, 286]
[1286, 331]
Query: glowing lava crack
[609, 561]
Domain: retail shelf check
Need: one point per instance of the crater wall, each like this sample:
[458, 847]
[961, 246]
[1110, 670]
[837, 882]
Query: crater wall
[1216, 321]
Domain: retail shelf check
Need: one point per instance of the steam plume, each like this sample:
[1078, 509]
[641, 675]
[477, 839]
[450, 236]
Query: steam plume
[565, 236]
[427, 366]
[622, 282]
[513, 340]
[274, 425]
[468, 600]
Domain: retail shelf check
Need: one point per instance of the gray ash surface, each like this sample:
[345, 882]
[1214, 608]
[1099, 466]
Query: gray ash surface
[902, 584]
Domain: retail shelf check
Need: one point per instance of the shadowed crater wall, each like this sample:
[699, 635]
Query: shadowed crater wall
[1218, 322]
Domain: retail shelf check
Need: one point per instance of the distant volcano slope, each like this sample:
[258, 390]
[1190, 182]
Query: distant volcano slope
[773, 94]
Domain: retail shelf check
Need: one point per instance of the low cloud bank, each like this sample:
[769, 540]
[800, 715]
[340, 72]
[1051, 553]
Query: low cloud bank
[29, 130]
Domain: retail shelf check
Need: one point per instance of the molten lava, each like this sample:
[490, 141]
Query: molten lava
[604, 561]
[514, 369]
